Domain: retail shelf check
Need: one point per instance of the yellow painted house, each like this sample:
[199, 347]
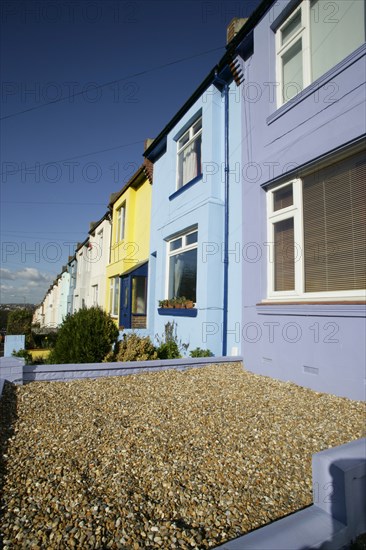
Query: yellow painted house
[127, 271]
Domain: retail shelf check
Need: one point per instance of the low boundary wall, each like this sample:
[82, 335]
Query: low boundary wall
[337, 516]
[14, 370]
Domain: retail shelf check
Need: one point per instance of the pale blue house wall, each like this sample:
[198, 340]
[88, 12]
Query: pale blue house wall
[72, 271]
[201, 205]
[323, 347]
[64, 295]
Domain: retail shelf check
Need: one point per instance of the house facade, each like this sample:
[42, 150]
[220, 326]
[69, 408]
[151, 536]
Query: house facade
[72, 270]
[98, 250]
[127, 270]
[84, 259]
[303, 207]
[195, 221]
[51, 305]
[64, 285]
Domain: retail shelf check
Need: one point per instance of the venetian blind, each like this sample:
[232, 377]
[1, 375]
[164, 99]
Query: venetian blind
[284, 266]
[334, 227]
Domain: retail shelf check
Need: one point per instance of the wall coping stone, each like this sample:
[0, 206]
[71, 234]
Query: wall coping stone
[336, 517]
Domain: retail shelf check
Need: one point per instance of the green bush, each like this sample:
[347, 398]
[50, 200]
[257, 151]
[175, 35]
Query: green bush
[169, 345]
[87, 336]
[24, 354]
[135, 348]
[198, 352]
[168, 350]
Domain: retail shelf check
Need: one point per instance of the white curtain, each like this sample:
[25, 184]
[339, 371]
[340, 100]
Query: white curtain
[189, 163]
[178, 273]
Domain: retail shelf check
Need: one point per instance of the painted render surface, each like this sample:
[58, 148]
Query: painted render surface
[64, 285]
[315, 345]
[72, 270]
[134, 248]
[200, 205]
[84, 256]
[99, 258]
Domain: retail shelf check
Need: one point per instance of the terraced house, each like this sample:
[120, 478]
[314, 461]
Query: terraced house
[127, 270]
[252, 237]
[98, 251]
[196, 216]
[303, 182]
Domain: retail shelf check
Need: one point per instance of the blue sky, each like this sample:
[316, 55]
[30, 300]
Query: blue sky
[84, 83]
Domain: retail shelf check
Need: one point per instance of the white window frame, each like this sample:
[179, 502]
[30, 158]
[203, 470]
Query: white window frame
[303, 33]
[295, 211]
[191, 138]
[121, 222]
[113, 306]
[95, 294]
[183, 248]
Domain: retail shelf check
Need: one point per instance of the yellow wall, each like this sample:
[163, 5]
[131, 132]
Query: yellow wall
[134, 248]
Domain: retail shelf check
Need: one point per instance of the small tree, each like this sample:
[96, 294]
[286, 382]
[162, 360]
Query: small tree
[87, 336]
[20, 322]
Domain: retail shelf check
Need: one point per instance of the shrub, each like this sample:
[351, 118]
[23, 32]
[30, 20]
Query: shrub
[168, 350]
[39, 360]
[135, 348]
[87, 336]
[198, 352]
[24, 354]
[169, 345]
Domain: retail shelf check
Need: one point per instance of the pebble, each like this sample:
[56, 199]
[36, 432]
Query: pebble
[166, 460]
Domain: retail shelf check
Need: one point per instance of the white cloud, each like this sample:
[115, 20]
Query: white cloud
[27, 285]
[6, 275]
[33, 274]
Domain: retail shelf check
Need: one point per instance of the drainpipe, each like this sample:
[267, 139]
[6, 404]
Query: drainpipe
[225, 89]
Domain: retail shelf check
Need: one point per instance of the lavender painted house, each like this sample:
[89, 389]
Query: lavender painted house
[303, 208]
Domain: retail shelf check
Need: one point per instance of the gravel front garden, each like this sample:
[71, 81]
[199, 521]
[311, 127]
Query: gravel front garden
[164, 460]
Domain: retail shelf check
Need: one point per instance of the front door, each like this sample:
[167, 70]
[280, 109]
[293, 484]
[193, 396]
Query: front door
[125, 309]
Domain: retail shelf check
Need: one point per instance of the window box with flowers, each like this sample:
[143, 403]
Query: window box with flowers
[177, 306]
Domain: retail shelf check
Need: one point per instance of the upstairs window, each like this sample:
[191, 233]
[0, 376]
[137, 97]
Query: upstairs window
[183, 266]
[189, 154]
[313, 39]
[121, 222]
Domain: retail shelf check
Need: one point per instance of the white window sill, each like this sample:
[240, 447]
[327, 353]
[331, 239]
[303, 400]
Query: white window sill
[314, 308]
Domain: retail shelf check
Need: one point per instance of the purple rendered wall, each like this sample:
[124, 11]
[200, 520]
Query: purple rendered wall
[321, 347]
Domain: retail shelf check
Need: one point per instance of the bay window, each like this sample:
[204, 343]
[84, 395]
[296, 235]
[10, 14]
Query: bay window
[313, 39]
[182, 266]
[189, 154]
[316, 233]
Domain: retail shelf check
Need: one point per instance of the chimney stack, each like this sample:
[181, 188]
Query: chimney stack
[234, 27]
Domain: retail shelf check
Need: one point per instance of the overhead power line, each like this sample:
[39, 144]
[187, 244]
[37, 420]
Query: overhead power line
[110, 83]
[72, 158]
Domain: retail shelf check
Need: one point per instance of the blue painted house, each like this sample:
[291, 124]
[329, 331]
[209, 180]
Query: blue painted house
[190, 220]
[303, 194]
